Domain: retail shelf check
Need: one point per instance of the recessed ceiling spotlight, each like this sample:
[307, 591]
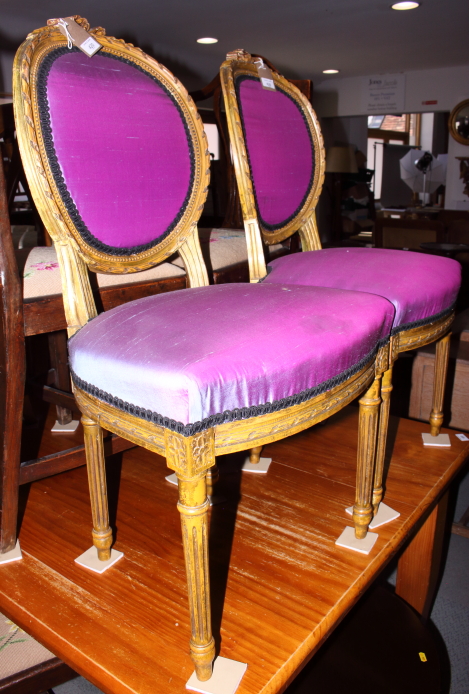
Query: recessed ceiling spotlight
[207, 39]
[330, 72]
[405, 5]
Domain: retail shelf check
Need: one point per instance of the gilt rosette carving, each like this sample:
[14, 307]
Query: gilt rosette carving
[192, 455]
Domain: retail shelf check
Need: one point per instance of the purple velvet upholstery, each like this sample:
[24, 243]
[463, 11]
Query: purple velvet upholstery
[193, 353]
[279, 148]
[420, 286]
[121, 147]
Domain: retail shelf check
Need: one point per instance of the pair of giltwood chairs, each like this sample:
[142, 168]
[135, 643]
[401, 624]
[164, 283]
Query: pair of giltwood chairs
[188, 373]
[278, 156]
[117, 162]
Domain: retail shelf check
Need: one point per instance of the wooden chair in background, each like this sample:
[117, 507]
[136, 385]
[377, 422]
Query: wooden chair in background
[279, 161]
[27, 667]
[34, 309]
[186, 374]
[407, 233]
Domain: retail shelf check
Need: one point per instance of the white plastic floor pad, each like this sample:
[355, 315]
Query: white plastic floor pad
[440, 440]
[89, 560]
[69, 428]
[348, 540]
[226, 677]
[13, 555]
[261, 467]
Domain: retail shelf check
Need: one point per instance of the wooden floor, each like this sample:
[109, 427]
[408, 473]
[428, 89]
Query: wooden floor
[279, 584]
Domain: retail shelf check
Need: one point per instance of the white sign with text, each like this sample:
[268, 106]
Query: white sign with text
[383, 94]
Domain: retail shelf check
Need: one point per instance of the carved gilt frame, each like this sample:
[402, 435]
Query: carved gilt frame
[74, 254]
[241, 63]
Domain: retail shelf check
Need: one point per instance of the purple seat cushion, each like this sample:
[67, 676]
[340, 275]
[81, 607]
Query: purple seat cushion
[420, 286]
[118, 147]
[193, 354]
[280, 151]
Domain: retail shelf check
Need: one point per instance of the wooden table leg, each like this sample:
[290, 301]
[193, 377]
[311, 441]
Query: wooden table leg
[419, 565]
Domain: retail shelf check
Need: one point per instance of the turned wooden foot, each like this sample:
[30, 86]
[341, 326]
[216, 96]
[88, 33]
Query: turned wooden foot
[386, 388]
[368, 423]
[255, 455]
[102, 533]
[439, 383]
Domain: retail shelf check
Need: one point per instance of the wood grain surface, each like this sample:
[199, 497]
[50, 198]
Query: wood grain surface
[279, 583]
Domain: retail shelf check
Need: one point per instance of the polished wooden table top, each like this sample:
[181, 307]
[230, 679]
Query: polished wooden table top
[279, 583]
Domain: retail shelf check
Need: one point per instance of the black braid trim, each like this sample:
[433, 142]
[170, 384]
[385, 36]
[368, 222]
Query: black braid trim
[228, 415]
[423, 321]
[85, 233]
[266, 225]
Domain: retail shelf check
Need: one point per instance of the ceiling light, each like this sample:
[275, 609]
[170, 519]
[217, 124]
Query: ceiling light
[405, 5]
[330, 72]
[207, 40]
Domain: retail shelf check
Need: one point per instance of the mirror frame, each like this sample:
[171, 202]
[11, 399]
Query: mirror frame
[452, 123]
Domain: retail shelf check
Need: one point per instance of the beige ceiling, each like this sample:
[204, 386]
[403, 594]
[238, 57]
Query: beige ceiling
[301, 37]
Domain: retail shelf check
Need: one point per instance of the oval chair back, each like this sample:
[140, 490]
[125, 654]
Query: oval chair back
[114, 143]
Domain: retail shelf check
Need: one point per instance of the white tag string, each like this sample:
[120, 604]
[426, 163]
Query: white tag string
[64, 24]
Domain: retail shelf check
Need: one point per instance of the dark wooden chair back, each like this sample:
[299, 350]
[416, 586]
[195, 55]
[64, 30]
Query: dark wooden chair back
[407, 233]
[458, 231]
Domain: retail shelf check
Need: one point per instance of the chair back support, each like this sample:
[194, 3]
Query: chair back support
[115, 154]
[278, 151]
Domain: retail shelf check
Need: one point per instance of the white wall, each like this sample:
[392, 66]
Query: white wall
[342, 96]
[445, 86]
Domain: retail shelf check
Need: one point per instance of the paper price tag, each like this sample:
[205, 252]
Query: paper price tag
[90, 46]
[76, 35]
[269, 84]
[265, 75]
[462, 437]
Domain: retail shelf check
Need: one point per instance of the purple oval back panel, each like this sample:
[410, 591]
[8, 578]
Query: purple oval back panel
[280, 151]
[121, 147]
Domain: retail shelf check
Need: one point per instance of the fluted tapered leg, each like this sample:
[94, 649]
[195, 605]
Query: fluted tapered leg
[386, 388]
[102, 533]
[368, 424]
[439, 382]
[193, 506]
[191, 458]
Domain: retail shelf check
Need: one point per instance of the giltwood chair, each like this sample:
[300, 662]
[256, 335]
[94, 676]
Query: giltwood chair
[187, 374]
[279, 162]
